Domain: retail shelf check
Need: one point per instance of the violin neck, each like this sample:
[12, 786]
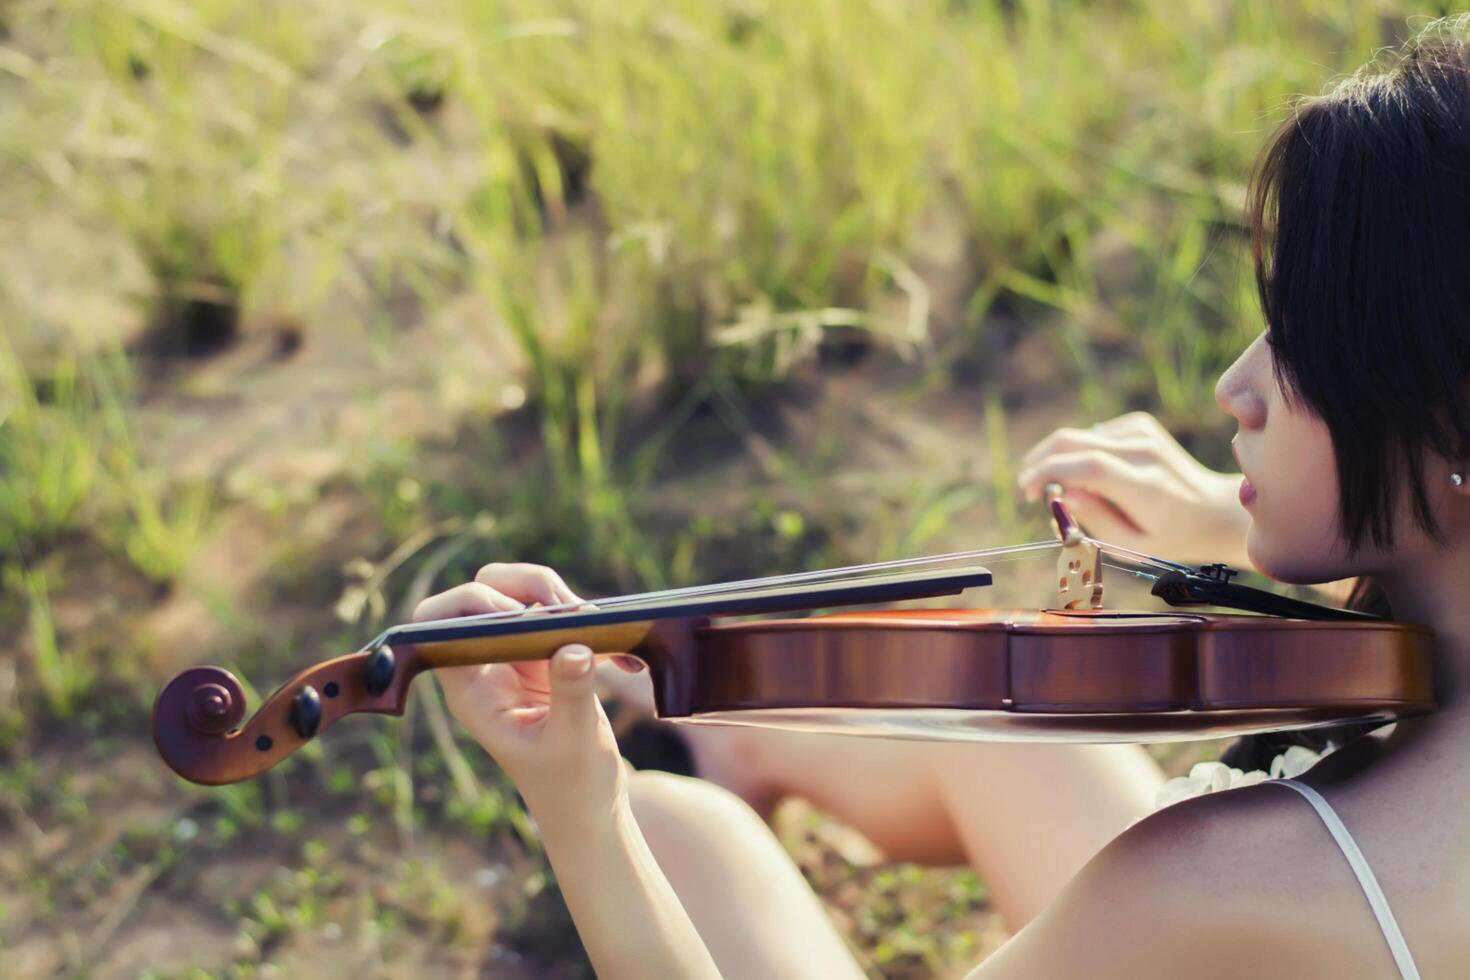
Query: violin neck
[506, 648]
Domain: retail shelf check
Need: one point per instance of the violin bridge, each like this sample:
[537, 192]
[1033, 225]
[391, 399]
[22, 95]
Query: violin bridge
[1079, 572]
[1079, 566]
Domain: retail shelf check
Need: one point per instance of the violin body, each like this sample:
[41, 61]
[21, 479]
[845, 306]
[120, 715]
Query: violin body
[986, 674]
[1045, 675]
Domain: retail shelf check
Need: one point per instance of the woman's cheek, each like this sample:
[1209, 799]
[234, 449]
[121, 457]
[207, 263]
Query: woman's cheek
[1294, 533]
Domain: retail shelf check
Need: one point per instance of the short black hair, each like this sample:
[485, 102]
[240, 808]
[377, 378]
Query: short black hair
[1359, 218]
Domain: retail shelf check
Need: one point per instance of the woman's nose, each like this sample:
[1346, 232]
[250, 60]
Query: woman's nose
[1238, 393]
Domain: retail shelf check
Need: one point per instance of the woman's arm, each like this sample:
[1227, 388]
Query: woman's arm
[631, 922]
[542, 722]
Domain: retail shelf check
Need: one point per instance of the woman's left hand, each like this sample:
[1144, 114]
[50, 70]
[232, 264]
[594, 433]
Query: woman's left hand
[540, 720]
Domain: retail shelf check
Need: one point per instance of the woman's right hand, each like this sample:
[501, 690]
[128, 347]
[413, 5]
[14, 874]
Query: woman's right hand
[1130, 483]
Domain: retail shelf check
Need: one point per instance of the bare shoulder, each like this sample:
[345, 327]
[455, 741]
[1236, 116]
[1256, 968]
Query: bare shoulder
[1224, 885]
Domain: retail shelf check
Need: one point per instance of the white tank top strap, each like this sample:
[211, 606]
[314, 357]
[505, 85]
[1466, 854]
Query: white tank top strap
[1366, 879]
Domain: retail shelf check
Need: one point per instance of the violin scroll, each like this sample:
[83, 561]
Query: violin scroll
[199, 721]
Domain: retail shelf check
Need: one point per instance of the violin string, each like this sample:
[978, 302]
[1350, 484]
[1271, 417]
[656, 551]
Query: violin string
[470, 622]
[1149, 560]
[754, 586]
[677, 597]
[831, 575]
[1131, 571]
[727, 590]
[763, 586]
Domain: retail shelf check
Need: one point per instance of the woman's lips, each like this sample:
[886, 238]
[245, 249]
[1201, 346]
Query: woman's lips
[1247, 492]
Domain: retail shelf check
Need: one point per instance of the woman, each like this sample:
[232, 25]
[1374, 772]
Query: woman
[1354, 435]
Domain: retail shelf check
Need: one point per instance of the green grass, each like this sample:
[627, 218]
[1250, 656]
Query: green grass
[58, 673]
[48, 453]
[755, 174]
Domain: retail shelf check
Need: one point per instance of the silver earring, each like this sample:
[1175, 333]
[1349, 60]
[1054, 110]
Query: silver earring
[1457, 479]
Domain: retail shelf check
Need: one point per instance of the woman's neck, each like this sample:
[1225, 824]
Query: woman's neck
[1436, 594]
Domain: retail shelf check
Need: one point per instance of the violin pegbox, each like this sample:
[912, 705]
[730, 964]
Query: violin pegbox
[1079, 566]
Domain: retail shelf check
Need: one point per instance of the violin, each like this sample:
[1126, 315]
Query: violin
[1075, 671]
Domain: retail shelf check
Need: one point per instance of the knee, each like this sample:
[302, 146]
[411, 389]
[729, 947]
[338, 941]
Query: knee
[668, 804]
[700, 832]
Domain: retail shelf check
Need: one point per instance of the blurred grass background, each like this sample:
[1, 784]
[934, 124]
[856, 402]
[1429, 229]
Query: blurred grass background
[310, 308]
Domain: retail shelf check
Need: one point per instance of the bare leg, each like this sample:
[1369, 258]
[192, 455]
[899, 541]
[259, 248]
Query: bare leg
[874, 785]
[752, 907]
[1026, 817]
